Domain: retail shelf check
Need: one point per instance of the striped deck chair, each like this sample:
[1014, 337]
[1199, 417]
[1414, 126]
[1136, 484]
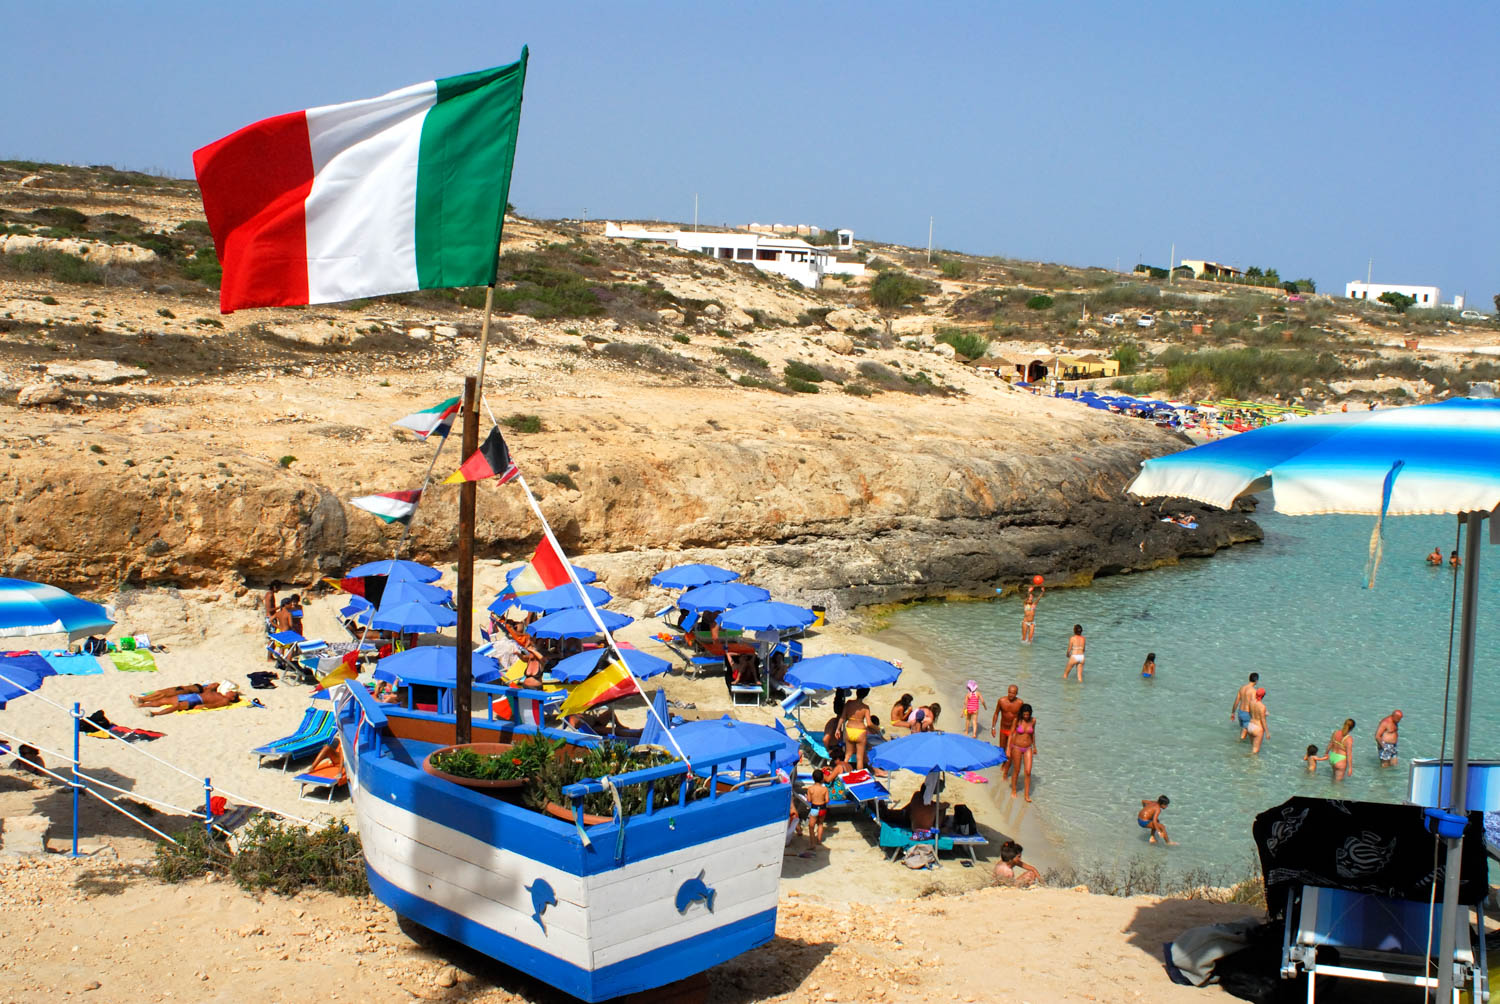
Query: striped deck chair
[316, 729]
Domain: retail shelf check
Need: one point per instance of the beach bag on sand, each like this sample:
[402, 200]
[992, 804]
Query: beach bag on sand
[963, 820]
[919, 856]
[95, 645]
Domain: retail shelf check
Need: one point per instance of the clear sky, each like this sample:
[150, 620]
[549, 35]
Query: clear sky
[1308, 137]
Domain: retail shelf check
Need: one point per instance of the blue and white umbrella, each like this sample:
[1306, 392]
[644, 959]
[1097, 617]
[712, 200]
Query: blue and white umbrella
[767, 615]
[398, 591]
[1424, 459]
[30, 608]
[924, 752]
[691, 576]
[396, 567]
[413, 618]
[716, 737]
[830, 672]
[563, 597]
[576, 623]
[576, 668]
[434, 666]
[722, 596]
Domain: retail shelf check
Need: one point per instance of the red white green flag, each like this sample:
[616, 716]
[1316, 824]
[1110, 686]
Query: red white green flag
[385, 195]
[436, 420]
[393, 507]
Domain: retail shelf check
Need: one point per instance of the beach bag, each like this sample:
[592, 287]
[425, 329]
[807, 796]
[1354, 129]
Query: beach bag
[919, 856]
[95, 645]
[963, 820]
[127, 644]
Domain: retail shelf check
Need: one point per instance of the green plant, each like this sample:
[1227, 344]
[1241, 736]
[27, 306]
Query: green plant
[680, 338]
[1039, 302]
[1400, 301]
[608, 759]
[742, 356]
[894, 288]
[1128, 355]
[95, 448]
[647, 356]
[526, 758]
[857, 389]
[57, 264]
[164, 312]
[951, 269]
[801, 386]
[797, 370]
[287, 460]
[522, 423]
[559, 478]
[203, 267]
[281, 857]
[50, 301]
[965, 343]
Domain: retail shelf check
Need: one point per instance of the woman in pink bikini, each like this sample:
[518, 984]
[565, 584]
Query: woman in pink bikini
[1022, 748]
[972, 703]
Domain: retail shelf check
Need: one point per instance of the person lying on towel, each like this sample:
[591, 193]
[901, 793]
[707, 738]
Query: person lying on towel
[170, 695]
[221, 696]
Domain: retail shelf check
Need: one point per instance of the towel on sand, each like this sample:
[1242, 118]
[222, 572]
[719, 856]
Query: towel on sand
[200, 709]
[134, 662]
[74, 665]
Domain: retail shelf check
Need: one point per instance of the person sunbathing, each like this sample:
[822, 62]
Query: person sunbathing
[170, 695]
[330, 757]
[222, 697]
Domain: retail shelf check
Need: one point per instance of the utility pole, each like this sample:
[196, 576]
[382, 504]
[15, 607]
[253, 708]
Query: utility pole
[585, 214]
[1369, 271]
[695, 212]
[929, 240]
[1171, 269]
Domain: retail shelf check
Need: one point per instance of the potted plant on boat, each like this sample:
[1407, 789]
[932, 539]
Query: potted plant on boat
[493, 766]
[609, 759]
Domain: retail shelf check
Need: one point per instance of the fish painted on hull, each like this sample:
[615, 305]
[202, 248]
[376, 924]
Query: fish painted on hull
[693, 890]
[542, 897]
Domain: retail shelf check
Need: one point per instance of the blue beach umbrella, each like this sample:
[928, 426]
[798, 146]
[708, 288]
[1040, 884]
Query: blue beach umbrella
[581, 666]
[576, 623]
[434, 666]
[722, 596]
[925, 752]
[829, 672]
[414, 570]
[1423, 459]
[582, 574]
[413, 618]
[28, 608]
[767, 615]
[691, 576]
[710, 738]
[653, 734]
[21, 675]
[563, 597]
[398, 591]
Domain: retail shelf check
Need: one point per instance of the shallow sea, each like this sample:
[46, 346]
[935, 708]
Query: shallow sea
[1293, 608]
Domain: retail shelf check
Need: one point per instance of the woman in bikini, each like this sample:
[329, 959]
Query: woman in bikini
[1340, 750]
[856, 724]
[900, 710]
[1022, 748]
[1028, 614]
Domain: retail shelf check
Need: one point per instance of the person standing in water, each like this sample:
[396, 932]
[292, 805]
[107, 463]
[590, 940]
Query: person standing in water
[1028, 614]
[1436, 557]
[1148, 668]
[1240, 710]
[1386, 737]
[1076, 645]
[1257, 727]
[973, 701]
[1341, 749]
[1004, 719]
[1149, 818]
[1022, 748]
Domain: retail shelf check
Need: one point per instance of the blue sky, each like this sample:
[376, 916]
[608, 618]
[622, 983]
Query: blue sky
[1306, 137]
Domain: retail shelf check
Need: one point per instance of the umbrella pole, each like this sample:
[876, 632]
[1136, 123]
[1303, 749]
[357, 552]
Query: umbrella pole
[1459, 787]
[77, 728]
[464, 667]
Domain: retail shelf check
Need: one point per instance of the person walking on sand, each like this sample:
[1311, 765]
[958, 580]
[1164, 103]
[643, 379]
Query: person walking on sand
[1149, 818]
[973, 701]
[817, 812]
[1386, 737]
[1076, 645]
[1240, 710]
[1004, 719]
[1022, 748]
[1341, 750]
[1028, 614]
[1257, 727]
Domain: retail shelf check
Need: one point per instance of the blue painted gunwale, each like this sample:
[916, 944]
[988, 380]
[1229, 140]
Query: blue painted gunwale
[646, 971]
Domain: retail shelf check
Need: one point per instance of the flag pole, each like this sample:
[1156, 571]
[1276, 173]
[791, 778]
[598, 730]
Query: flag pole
[484, 346]
[464, 670]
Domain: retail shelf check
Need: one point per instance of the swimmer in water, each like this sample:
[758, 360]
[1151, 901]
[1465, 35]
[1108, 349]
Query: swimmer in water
[1148, 668]
[1258, 729]
[1028, 614]
[1453, 559]
[1076, 645]
[1312, 758]
[1240, 711]
[1436, 557]
[1149, 818]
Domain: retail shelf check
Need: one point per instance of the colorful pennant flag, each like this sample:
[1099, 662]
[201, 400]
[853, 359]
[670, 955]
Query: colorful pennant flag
[549, 565]
[371, 587]
[393, 507]
[491, 460]
[437, 420]
[384, 195]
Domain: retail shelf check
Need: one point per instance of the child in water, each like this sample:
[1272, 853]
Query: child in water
[972, 703]
[1149, 818]
[1312, 759]
[1148, 668]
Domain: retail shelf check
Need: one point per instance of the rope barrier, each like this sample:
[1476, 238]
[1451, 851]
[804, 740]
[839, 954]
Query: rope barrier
[40, 749]
[90, 791]
[195, 813]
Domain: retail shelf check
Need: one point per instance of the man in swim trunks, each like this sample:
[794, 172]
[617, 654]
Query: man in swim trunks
[1076, 645]
[1436, 557]
[1386, 737]
[170, 695]
[220, 697]
[1004, 719]
[1240, 710]
[1149, 818]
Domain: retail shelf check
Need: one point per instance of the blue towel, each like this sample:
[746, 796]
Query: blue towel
[74, 665]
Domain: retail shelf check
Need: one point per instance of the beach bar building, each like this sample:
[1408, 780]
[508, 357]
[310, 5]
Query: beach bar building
[788, 256]
[1425, 296]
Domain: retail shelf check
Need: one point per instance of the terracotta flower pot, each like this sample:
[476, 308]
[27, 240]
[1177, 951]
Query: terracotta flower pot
[485, 749]
[566, 815]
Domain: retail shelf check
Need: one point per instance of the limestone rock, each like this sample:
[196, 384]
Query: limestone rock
[445, 331]
[848, 319]
[94, 252]
[945, 350]
[93, 371]
[314, 333]
[669, 315]
[37, 394]
[737, 318]
[712, 310]
[420, 334]
[839, 344]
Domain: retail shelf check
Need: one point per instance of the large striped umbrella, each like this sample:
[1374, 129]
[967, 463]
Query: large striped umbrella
[1424, 459]
[28, 608]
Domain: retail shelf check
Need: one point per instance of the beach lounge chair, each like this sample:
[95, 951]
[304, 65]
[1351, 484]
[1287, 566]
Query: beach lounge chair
[327, 775]
[316, 729]
[1375, 938]
[898, 839]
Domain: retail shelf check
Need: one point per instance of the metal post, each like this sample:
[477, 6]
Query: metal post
[1171, 269]
[1459, 788]
[77, 727]
[929, 240]
[208, 807]
[464, 670]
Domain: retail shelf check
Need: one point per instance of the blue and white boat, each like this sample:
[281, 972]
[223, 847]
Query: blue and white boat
[596, 909]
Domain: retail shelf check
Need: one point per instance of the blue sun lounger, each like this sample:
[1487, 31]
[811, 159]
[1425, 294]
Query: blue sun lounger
[316, 730]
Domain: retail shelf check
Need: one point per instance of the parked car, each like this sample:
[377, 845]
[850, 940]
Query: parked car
[1145, 321]
[1472, 315]
[1113, 320]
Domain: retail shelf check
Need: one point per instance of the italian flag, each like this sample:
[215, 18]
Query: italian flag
[386, 195]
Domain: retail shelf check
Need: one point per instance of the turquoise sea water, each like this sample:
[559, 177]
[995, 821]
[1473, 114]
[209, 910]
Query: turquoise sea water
[1292, 609]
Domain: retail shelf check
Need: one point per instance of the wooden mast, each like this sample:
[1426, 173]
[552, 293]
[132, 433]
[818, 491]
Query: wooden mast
[464, 682]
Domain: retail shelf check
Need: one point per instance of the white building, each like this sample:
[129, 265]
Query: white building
[786, 256]
[1424, 296]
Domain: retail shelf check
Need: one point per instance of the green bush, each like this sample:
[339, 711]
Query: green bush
[680, 338]
[287, 461]
[522, 423]
[608, 759]
[965, 343]
[1128, 355]
[857, 389]
[1039, 302]
[801, 371]
[647, 357]
[894, 288]
[58, 265]
[1240, 373]
[538, 287]
[203, 267]
[559, 478]
[742, 356]
[271, 855]
[952, 269]
[164, 312]
[62, 217]
[801, 386]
